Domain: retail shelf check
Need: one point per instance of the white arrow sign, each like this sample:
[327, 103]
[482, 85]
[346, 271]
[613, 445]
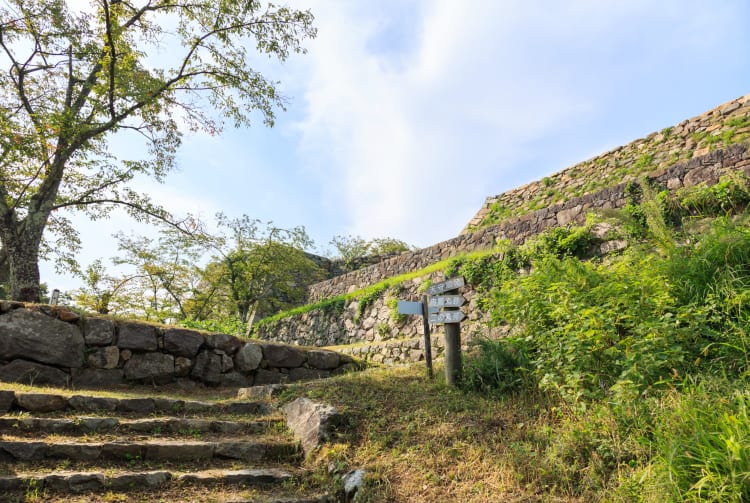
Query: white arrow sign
[447, 301]
[444, 286]
[447, 317]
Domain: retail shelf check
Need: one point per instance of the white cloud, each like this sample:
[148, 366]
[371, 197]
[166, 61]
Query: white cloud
[429, 128]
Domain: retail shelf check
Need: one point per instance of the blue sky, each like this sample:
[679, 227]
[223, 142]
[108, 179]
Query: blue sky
[404, 115]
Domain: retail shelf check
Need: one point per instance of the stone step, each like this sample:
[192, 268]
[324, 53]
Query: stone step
[140, 406]
[83, 482]
[12, 450]
[86, 425]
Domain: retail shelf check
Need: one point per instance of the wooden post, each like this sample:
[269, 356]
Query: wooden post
[427, 336]
[452, 350]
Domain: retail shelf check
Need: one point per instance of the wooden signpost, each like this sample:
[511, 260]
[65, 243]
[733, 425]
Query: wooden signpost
[450, 316]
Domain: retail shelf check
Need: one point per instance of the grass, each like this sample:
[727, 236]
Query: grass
[371, 292]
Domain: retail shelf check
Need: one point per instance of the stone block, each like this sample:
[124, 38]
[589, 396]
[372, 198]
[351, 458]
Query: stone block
[207, 367]
[97, 378]
[104, 358]
[283, 356]
[158, 366]
[227, 343]
[33, 336]
[41, 402]
[248, 357]
[25, 372]
[181, 342]
[98, 331]
[137, 337]
[324, 360]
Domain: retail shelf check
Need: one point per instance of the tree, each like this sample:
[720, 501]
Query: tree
[74, 79]
[255, 266]
[160, 277]
[351, 248]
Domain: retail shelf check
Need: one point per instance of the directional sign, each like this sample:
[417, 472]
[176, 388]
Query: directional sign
[447, 317]
[447, 301]
[406, 307]
[444, 286]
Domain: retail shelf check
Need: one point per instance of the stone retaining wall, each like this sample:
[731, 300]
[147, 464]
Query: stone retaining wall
[49, 345]
[705, 168]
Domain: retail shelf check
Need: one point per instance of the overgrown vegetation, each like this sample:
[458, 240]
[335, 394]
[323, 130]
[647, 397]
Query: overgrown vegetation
[627, 163]
[643, 355]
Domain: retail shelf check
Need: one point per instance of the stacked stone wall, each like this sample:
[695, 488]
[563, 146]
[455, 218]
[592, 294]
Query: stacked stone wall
[706, 168]
[49, 345]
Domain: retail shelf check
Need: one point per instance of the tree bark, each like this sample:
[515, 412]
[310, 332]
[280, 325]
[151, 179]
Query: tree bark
[23, 259]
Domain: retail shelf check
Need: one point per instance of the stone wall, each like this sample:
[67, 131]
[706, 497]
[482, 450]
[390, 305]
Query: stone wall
[706, 168]
[726, 124]
[49, 345]
[376, 334]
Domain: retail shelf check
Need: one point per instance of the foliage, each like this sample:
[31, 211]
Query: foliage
[255, 267]
[702, 443]
[74, 78]
[498, 366]
[160, 276]
[351, 248]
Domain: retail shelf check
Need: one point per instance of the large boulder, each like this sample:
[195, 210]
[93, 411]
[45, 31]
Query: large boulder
[35, 336]
[137, 336]
[312, 423]
[98, 331]
[25, 372]
[248, 357]
[278, 355]
[181, 342]
[207, 367]
[157, 366]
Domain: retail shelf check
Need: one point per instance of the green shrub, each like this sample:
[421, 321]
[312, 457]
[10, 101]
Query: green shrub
[497, 366]
[702, 443]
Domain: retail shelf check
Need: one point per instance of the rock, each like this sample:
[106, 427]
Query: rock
[41, 402]
[236, 380]
[246, 408]
[312, 423]
[24, 372]
[564, 217]
[352, 481]
[7, 398]
[207, 367]
[78, 452]
[9, 305]
[74, 482]
[97, 378]
[278, 355]
[183, 451]
[137, 336]
[157, 366]
[248, 357]
[260, 392]
[137, 405]
[303, 374]
[92, 403]
[67, 315]
[182, 366]
[263, 376]
[168, 405]
[227, 343]
[98, 331]
[615, 245]
[181, 342]
[25, 451]
[246, 451]
[104, 358]
[34, 336]
[121, 450]
[130, 481]
[126, 354]
[324, 360]
[97, 424]
[227, 364]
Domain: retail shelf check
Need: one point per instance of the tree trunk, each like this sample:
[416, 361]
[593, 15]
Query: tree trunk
[23, 258]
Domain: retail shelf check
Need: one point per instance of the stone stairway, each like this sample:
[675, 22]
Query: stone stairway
[56, 447]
